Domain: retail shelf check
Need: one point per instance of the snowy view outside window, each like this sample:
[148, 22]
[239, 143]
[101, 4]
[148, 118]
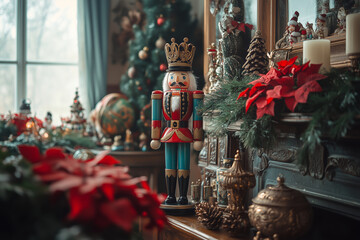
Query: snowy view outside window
[50, 52]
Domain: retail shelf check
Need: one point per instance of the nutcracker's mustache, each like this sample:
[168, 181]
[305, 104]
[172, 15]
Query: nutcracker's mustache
[179, 83]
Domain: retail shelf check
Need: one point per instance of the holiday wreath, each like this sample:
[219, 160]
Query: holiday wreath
[332, 100]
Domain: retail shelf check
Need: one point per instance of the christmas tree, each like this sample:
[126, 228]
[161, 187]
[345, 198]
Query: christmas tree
[256, 59]
[147, 63]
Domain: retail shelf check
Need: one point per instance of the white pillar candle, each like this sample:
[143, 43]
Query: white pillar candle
[317, 52]
[353, 34]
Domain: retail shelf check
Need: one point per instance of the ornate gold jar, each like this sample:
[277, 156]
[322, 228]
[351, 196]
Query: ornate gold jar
[280, 212]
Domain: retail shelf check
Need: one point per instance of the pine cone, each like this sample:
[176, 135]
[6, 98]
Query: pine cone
[236, 222]
[209, 215]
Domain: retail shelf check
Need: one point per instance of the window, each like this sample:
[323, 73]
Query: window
[38, 55]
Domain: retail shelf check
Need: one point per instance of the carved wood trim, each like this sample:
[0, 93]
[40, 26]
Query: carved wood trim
[346, 164]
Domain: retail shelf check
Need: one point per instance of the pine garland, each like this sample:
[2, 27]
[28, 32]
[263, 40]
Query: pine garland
[333, 112]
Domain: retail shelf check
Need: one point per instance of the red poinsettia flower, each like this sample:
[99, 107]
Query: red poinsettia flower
[290, 82]
[98, 191]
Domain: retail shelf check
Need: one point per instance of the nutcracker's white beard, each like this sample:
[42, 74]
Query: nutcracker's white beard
[175, 100]
[175, 103]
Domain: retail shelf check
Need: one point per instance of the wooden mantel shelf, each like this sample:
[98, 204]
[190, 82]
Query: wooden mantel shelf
[187, 227]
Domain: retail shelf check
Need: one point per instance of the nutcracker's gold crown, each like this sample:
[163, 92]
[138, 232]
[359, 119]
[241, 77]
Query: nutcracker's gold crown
[179, 56]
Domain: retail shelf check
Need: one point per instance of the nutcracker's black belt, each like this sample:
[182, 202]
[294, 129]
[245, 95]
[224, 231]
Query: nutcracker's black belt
[177, 124]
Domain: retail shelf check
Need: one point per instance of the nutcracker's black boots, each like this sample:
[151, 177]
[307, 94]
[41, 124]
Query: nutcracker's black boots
[183, 176]
[170, 176]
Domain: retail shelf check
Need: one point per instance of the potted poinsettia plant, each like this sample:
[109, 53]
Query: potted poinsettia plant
[99, 192]
[289, 82]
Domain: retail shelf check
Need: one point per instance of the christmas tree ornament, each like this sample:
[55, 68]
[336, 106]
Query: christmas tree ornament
[131, 72]
[163, 67]
[210, 215]
[160, 21]
[256, 59]
[160, 43]
[144, 53]
[113, 115]
[173, 29]
[177, 103]
[237, 182]
[77, 122]
[140, 88]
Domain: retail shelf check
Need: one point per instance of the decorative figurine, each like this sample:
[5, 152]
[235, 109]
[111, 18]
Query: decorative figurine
[310, 33]
[77, 122]
[25, 108]
[129, 141]
[294, 29]
[48, 121]
[143, 142]
[321, 29]
[118, 144]
[178, 102]
[341, 18]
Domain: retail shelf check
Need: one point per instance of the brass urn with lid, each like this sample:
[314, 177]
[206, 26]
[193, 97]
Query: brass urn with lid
[237, 182]
[280, 212]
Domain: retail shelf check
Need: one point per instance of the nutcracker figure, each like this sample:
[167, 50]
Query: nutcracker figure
[178, 102]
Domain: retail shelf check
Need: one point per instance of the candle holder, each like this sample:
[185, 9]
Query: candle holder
[237, 182]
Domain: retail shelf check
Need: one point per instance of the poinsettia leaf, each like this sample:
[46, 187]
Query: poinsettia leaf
[290, 103]
[91, 183]
[256, 88]
[102, 158]
[145, 185]
[282, 64]
[268, 109]
[55, 176]
[109, 160]
[274, 93]
[108, 190]
[304, 77]
[70, 181]
[287, 92]
[82, 205]
[54, 153]
[243, 93]
[120, 212]
[114, 172]
[261, 102]
[252, 99]
[30, 153]
[302, 93]
[313, 68]
[260, 80]
[286, 81]
[42, 168]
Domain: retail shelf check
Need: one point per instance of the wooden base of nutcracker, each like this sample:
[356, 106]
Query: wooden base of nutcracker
[179, 210]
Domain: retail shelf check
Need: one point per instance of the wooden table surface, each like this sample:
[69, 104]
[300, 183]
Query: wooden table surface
[187, 227]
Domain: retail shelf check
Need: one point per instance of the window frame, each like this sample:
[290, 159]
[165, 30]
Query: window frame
[21, 61]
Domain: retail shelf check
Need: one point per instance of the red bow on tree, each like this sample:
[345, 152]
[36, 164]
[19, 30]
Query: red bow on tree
[241, 26]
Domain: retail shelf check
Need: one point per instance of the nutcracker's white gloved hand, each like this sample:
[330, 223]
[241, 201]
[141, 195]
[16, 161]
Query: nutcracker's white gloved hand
[155, 144]
[198, 145]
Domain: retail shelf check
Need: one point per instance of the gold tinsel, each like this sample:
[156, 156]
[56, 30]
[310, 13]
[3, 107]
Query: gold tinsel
[209, 215]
